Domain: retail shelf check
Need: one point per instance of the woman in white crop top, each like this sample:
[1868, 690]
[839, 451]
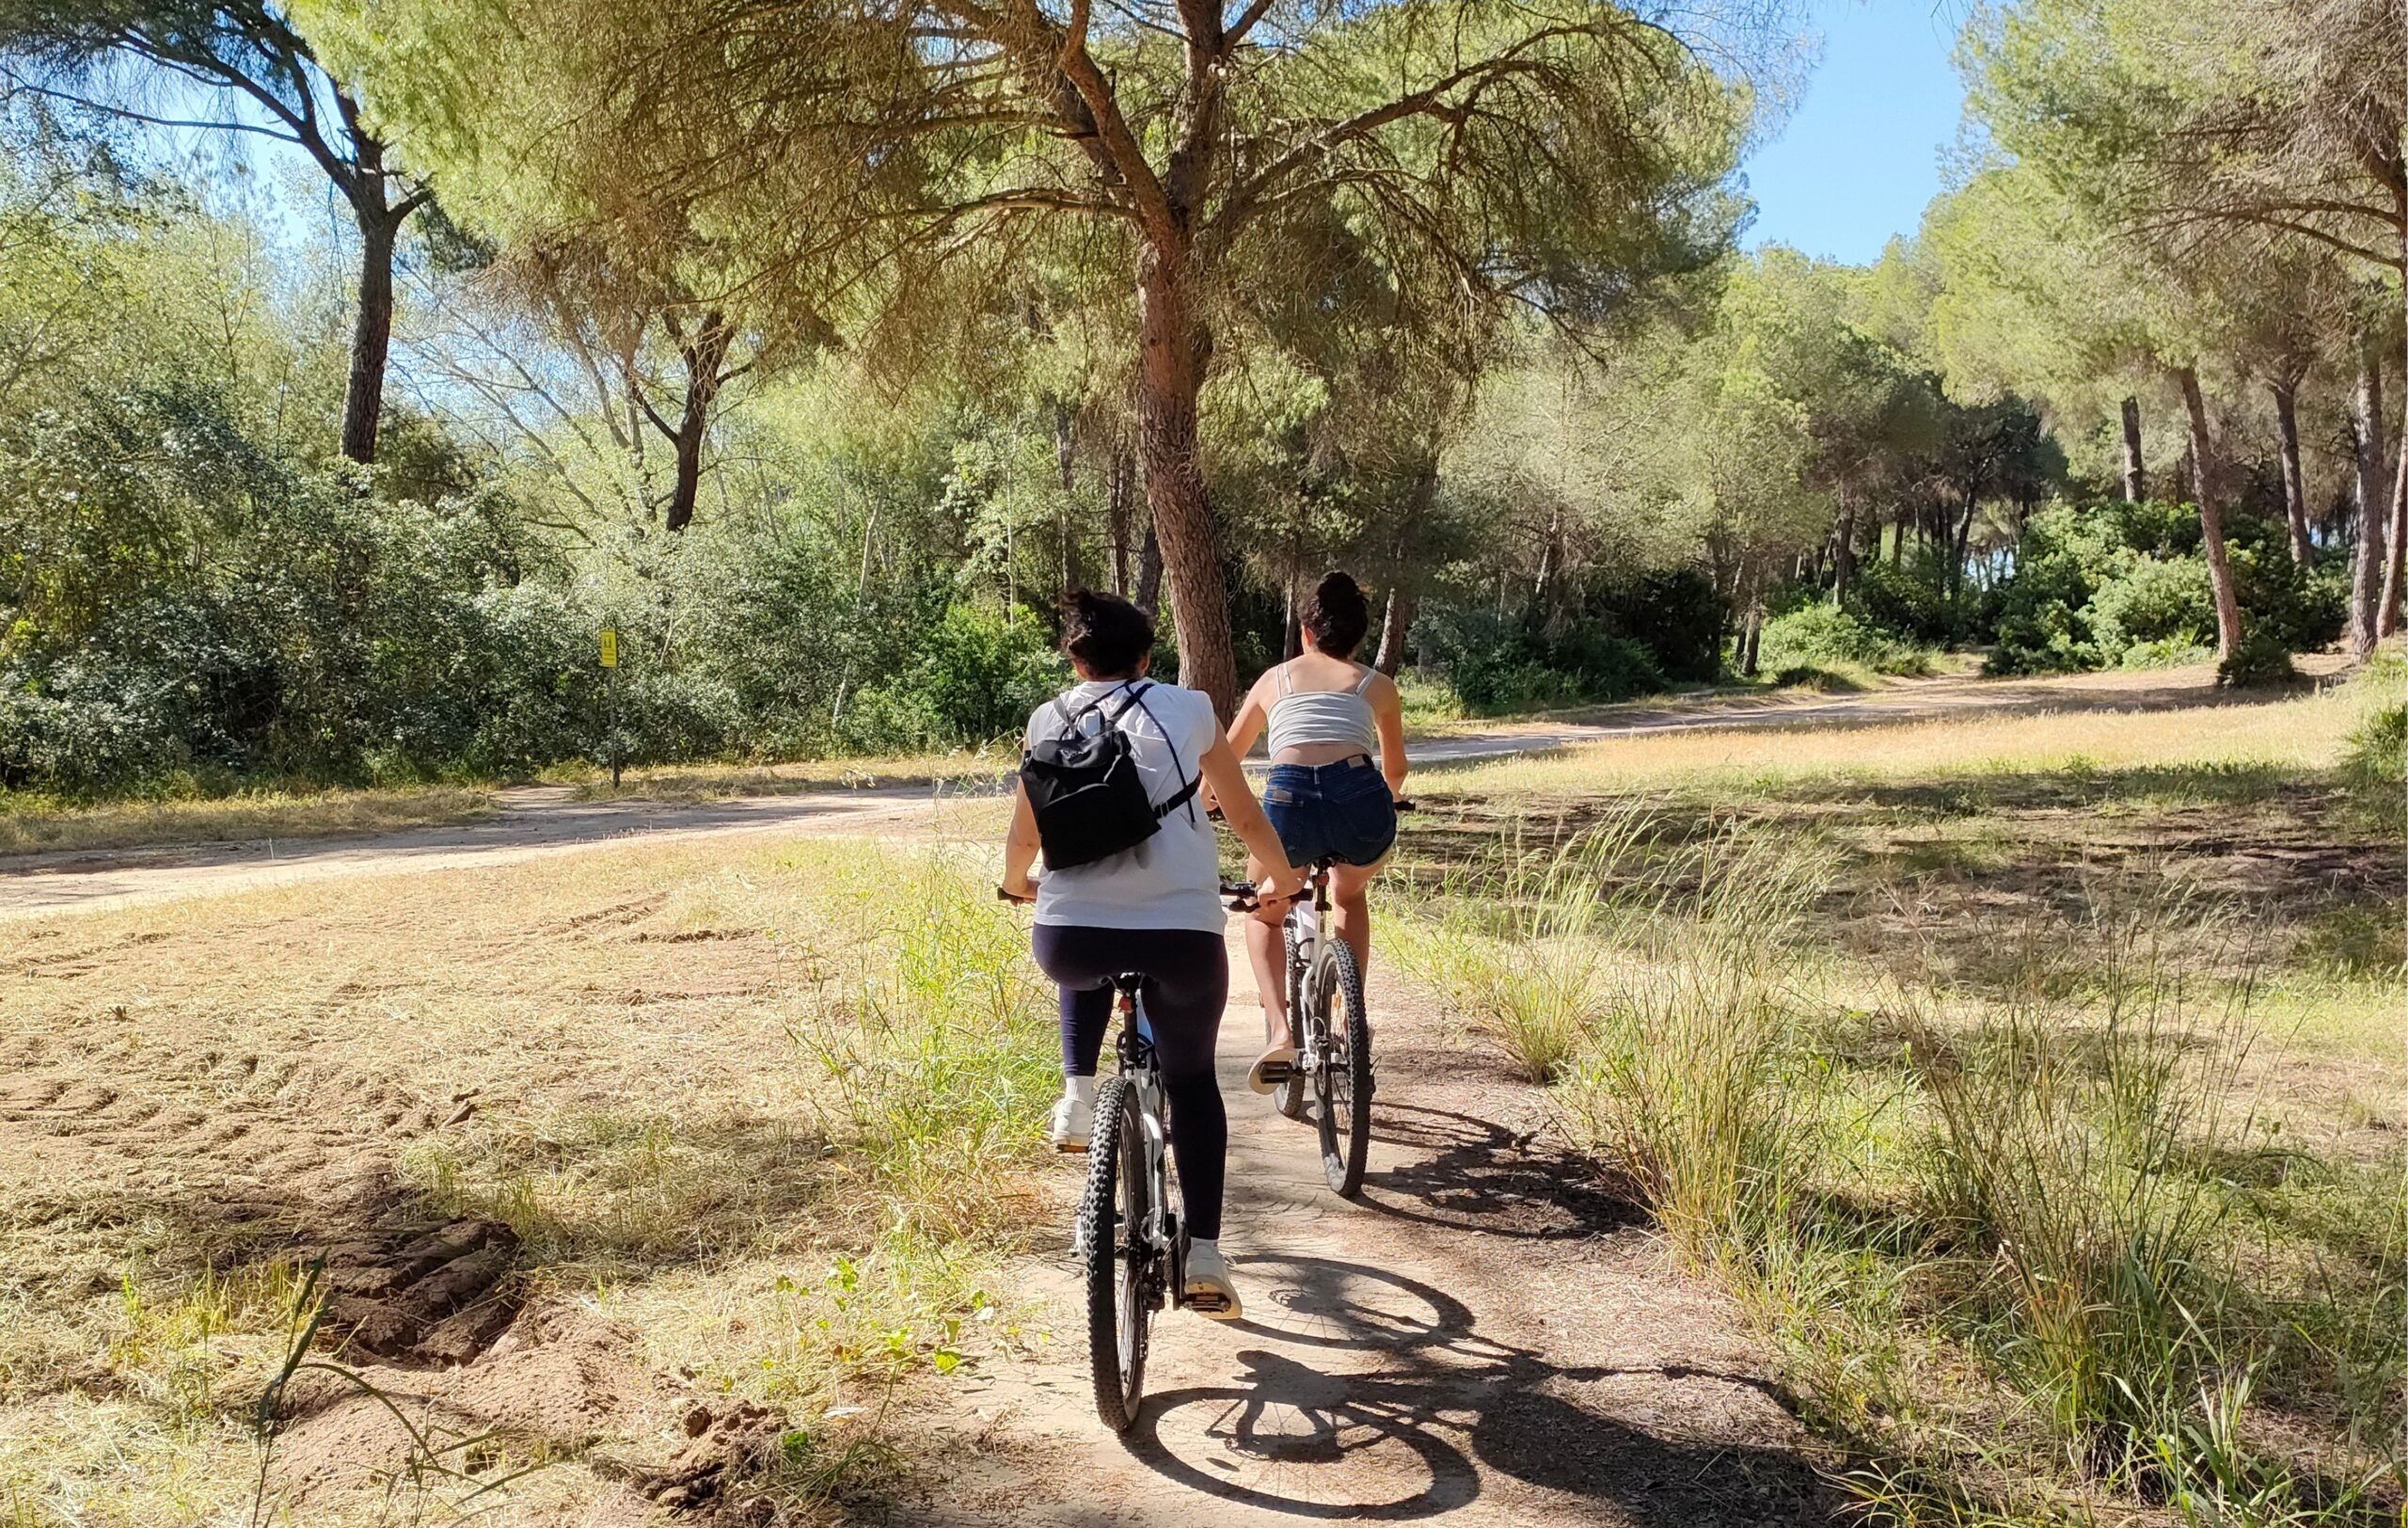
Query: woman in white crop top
[1328, 716]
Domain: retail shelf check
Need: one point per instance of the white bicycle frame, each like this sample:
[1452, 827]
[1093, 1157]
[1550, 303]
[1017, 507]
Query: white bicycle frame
[1313, 957]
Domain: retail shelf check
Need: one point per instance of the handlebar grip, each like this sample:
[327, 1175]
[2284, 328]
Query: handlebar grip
[1406, 803]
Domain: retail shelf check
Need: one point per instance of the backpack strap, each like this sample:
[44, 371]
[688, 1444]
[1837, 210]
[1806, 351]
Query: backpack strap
[1186, 794]
[1071, 720]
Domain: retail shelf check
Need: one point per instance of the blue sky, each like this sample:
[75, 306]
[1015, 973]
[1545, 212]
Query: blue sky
[1861, 156]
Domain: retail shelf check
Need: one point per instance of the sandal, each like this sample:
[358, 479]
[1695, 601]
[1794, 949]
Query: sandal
[1271, 1069]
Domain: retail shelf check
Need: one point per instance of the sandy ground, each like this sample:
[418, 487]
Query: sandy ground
[1486, 1337]
[541, 821]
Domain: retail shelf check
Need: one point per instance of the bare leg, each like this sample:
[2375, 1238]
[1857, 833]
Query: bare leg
[1268, 952]
[1350, 894]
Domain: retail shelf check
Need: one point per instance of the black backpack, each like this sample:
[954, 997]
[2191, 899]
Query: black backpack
[1087, 790]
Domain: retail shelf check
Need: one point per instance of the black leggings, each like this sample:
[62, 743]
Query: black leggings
[1187, 984]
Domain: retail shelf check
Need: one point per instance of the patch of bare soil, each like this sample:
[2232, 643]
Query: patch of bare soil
[1486, 1336]
[169, 1109]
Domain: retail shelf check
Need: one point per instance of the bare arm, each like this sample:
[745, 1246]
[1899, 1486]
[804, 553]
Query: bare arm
[1252, 715]
[1227, 778]
[1387, 715]
[1243, 731]
[1020, 848]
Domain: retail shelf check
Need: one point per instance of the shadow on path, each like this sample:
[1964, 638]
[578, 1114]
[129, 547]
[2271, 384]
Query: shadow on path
[1440, 1407]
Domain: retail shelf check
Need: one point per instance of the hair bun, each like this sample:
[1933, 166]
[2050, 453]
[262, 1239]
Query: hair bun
[1338, 584]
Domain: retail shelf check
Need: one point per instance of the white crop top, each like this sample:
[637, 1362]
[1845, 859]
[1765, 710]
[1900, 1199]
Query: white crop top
[1306, 716]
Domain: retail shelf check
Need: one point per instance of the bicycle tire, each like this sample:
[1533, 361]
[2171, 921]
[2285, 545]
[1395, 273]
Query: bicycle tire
[1119, 1315]
[1292, 1097]
[1342, 1083]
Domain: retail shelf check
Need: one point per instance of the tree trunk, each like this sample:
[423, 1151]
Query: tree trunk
[2285, 393]
[371, 331]
[1963, 539]
[1065, 467]
[2387, 616]
[2368, 564]
[1117, 495]
[1176, 349]
[1844, 549]
[1396, 624]
[704, 354]
[2387, 613]
[2135, 479]
[1149, 597]
[2202, 454]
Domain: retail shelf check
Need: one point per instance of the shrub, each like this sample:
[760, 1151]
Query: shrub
[1497, 663]
[2094, 581]
[1912, 599]
[2168, 603]
[978, 676]
[1676, 615]
[1820, 635]
[2258, 659]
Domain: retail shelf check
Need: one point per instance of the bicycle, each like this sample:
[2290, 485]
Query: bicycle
[1331, 1079]
[1132, 1238]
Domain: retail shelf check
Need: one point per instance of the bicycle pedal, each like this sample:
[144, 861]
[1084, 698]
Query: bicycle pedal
[1208, 1304]
[1275, 1072]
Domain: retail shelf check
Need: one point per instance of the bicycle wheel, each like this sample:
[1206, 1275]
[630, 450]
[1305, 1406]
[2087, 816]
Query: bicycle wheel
[1294, 1096]
[1120, 1266]
[1342, 1083]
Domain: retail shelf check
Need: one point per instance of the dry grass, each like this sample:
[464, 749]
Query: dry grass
[2077, 1197]
[31, 824]
[2304, 733]
[619, 1055]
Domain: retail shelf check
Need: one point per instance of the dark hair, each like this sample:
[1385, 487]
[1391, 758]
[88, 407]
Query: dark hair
[1337, 615]
[1104, 634]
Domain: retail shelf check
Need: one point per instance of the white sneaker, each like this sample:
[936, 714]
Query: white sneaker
[1073, 1121]
[1210, 1291]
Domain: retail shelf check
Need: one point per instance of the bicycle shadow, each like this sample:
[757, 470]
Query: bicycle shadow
[1472, 1174]
[1442, 1409]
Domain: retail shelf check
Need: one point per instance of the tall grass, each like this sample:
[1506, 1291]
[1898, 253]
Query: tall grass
[2003, 1239]
[1647, 977]
[940, 1046]
[2075, 1159]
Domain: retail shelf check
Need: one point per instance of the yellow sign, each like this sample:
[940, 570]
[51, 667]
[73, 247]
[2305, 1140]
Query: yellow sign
[609, 646]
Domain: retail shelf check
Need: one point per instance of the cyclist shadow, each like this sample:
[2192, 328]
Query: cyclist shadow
[1472, 1174]
[1440, 1410]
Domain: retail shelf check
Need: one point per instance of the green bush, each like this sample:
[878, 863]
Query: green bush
[978, 676]
[2094, 583]
[1498, 664]
[1913, 601]
[2258, 659]
[1675, 615]
[1818, 635]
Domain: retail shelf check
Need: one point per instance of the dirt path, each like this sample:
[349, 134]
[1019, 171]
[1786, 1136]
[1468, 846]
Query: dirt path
[540, 819]
[1484, 1338]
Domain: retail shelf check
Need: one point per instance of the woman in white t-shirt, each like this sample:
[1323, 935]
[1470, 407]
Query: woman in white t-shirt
[1154, 909]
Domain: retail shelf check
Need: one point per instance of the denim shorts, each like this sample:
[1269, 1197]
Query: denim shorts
[1341, 812]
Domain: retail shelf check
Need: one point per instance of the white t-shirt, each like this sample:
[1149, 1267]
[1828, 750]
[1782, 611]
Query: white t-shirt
[1172, 880]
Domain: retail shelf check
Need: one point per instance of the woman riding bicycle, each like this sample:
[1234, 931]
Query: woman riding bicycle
[1328, 715]
[1154, 909]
